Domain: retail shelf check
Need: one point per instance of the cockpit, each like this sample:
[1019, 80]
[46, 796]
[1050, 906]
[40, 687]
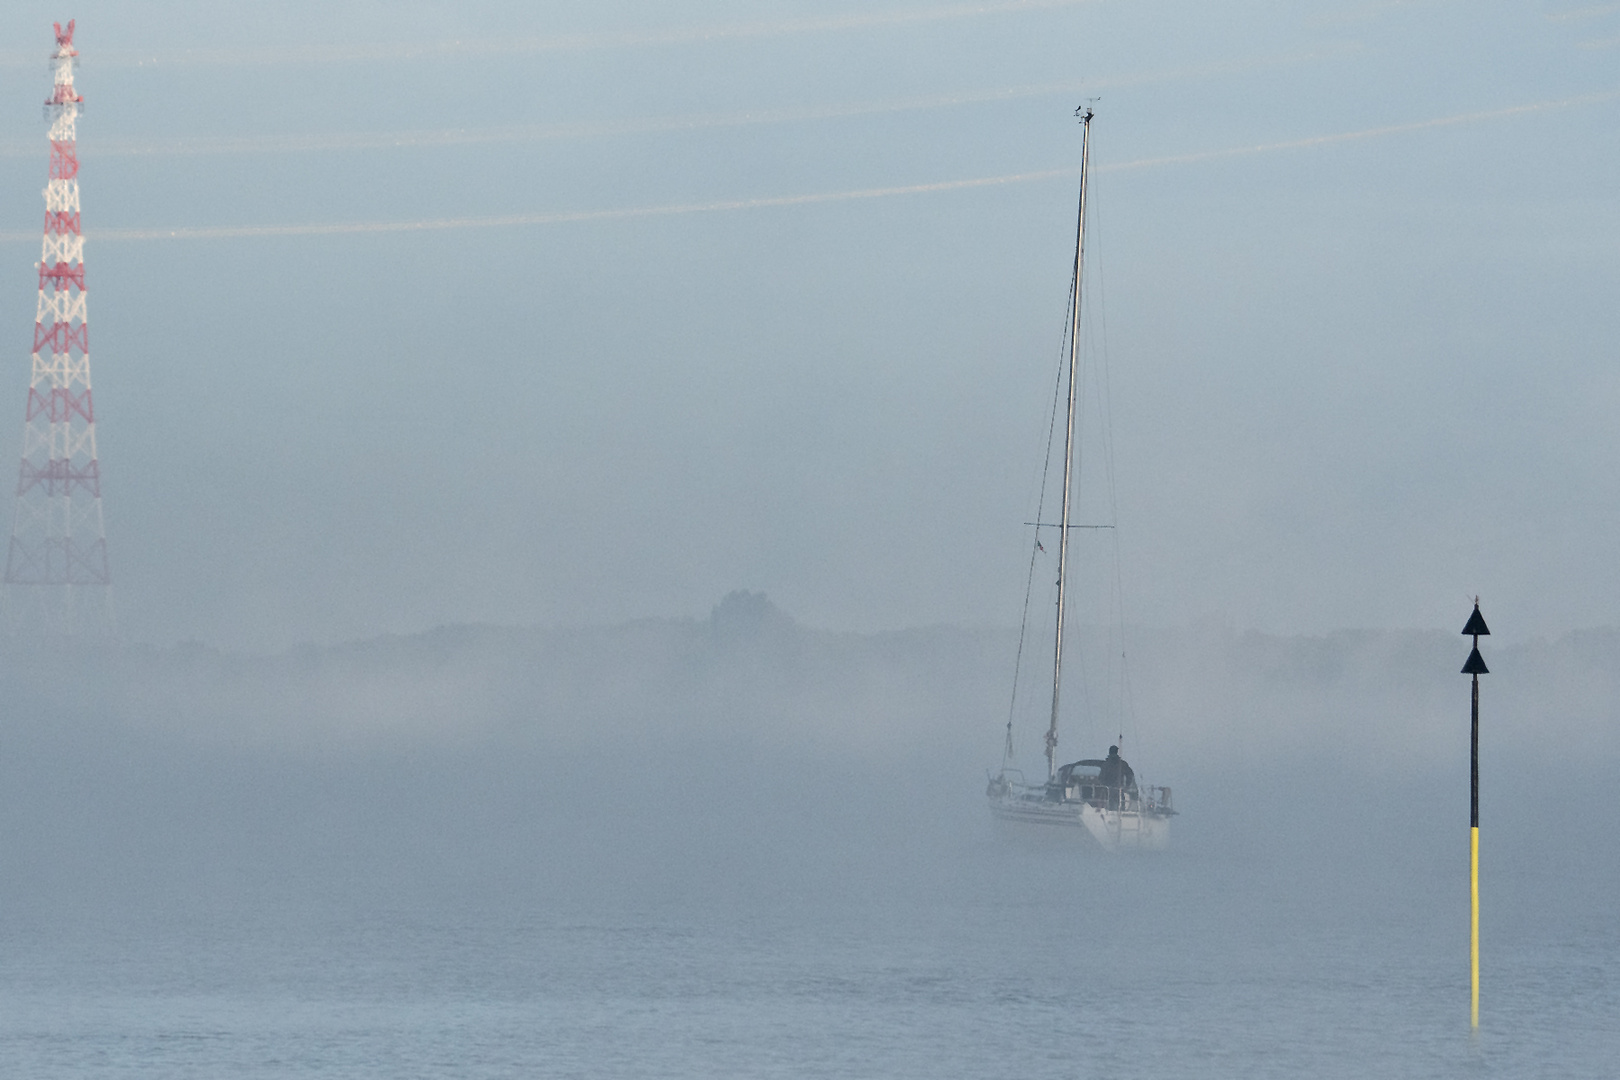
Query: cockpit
[1102, 783]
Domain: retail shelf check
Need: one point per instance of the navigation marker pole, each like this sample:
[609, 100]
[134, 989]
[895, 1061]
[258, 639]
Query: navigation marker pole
[1475, 667]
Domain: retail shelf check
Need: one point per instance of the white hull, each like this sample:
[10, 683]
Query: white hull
[1094, 828]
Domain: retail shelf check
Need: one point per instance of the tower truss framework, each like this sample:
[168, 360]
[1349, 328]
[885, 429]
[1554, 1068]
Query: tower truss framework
[57, 576]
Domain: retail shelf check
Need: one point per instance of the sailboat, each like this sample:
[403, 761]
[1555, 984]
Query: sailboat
[1097, 801]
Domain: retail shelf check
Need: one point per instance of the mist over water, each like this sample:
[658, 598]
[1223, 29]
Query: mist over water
[740, 846]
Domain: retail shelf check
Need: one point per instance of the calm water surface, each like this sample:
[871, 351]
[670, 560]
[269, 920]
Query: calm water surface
[973, 961]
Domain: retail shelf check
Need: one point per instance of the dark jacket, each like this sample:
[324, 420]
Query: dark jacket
[1115, 773]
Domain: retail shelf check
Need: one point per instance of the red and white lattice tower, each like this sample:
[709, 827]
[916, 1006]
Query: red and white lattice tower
[56, 567]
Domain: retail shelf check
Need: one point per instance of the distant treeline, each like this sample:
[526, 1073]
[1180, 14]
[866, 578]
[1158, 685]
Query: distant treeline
[751, 676]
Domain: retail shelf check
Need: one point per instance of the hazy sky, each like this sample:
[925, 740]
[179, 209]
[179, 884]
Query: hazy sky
[1354, 380]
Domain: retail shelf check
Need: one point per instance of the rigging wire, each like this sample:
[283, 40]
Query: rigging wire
[1127, 703]
[1040, 507]
[1083, 374]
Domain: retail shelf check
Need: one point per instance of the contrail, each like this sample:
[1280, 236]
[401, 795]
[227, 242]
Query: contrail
[558, 218]
[1584, 13]
[668, 210]
[1366, 133]
[382, 51]
[449, 137]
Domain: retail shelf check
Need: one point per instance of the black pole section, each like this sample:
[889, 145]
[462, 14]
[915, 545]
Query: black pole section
[1473, 761]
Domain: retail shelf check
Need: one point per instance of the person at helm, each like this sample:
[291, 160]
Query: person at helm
[1117, 776]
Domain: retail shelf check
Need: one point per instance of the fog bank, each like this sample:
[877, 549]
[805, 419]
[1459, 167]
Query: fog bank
[748, 756]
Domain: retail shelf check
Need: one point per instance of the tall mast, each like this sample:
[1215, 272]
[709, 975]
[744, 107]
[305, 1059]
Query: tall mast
[1068, 447]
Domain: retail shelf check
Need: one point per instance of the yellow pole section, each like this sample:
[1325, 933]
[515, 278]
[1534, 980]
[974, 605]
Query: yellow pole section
[1473, 936]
